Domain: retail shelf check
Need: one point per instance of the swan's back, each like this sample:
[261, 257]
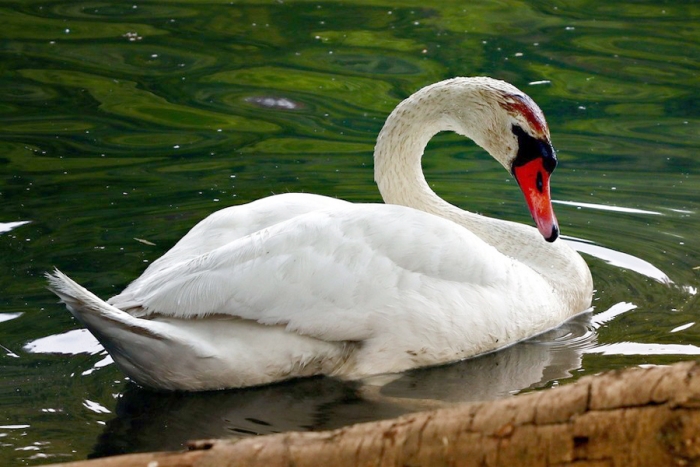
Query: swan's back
[229, 224]
[433, 286]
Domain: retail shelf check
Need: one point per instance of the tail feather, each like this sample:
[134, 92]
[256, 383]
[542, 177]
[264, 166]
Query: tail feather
[134, 344]
[195, 354]
[89, 309]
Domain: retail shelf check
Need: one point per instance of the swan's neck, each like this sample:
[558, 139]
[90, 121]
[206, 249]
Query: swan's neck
[399, 176]
[397, 163]
[401, 143]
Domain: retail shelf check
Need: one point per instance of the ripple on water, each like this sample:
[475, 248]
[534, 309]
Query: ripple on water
[164, 141]
[43, 124]
[589, 86]
[351, 91]
[657, 13]
[369, 39]
[124, 57]
[630, 68]
[24, 92]
[124, 98]
[281, 104]
[118, 10]
[20, 25]
[362, 63]
[640, 130]
[646, 48]
[307, 146]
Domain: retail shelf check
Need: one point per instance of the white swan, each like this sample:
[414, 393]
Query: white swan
[298, 284]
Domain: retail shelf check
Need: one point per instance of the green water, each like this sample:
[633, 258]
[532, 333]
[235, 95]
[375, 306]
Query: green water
[124, 122]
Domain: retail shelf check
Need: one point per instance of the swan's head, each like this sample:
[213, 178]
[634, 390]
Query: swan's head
[495, 115]
[534, 161]
[514, 131]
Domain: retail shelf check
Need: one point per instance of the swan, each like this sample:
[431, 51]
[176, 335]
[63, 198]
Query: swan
[295, 285]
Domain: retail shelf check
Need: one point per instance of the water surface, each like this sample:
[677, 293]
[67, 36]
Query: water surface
[123, 124]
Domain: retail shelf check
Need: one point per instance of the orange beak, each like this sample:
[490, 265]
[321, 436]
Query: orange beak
[534, 183]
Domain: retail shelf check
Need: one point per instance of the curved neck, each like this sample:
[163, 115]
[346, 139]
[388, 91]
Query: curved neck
[399, 176]
[397, 155]
[397, 161]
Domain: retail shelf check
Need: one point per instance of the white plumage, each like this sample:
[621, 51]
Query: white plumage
[299, 284]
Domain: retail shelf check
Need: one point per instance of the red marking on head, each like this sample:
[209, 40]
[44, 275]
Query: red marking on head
[526, 107]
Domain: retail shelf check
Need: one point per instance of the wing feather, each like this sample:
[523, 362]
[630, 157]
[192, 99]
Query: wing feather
[335, 274]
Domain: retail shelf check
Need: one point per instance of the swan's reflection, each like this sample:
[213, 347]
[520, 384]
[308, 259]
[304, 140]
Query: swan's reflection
[527, 365]
[150, 421]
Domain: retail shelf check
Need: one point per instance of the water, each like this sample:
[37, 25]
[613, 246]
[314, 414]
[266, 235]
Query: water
[125, 123]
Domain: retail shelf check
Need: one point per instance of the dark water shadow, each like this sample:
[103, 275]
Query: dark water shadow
[154, 421]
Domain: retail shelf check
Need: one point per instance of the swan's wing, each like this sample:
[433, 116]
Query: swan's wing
[332, 274]
[226, 225]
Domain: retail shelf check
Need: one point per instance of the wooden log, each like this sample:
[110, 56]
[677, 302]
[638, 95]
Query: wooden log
[634, 417]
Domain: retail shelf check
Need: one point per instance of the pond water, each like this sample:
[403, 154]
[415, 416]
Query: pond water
[123, 124]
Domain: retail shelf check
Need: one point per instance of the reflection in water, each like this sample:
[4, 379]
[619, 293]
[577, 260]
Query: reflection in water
[638, 348]
[7, 226]
[604, 207]
[147, 420]
[8, 352]
[270, 102]
[9, 316]
[71, 342]
[611, 313]
[619, 259]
